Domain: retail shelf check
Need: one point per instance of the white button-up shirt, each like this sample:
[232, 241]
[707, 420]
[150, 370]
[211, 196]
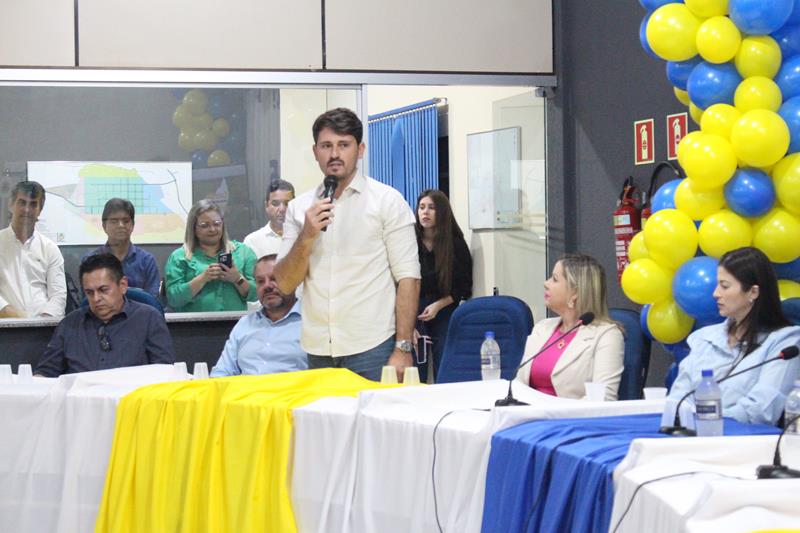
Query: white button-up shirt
[264, 241]
[350, 289]
[32, 275]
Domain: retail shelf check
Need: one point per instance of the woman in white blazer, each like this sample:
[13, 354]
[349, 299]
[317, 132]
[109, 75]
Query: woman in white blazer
[592, 353]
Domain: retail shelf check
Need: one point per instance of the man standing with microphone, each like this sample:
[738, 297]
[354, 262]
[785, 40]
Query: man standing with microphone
[354, 249]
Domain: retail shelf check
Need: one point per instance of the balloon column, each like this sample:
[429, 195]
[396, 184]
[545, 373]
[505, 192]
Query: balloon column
[736, 65]
[209, 126]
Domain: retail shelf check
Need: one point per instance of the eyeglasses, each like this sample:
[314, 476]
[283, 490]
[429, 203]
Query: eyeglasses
[424, 346]
[206, 225]
[102, 337]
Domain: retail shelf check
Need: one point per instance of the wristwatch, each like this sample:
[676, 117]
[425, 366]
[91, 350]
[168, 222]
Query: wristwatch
[403, 346]
[240, 280]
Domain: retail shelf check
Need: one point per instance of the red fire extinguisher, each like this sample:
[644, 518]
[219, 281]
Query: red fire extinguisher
[646, 207]
[626, 224]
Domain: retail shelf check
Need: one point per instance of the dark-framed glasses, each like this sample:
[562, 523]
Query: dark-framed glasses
[102, 337]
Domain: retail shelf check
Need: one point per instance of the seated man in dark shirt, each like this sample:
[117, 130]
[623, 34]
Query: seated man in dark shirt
[113, 332]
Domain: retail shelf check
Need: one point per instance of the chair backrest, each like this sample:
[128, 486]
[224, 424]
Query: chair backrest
[509, 318]
[791, 310]
[138, 295]
[637, 354]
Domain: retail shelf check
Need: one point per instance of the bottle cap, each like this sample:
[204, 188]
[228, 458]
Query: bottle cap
[708, 373]
[489, 335]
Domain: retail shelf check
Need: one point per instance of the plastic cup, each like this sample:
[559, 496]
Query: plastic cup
[5, 374]
[24, 374]
[655, 393]
[411, 376]
[389, 374]
[201, 370]
[180, 369]
[595, 392]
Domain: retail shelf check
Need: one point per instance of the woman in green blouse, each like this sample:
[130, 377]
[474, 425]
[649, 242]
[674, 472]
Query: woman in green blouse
[196, 279]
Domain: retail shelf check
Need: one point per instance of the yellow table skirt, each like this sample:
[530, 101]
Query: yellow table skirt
[211, 455]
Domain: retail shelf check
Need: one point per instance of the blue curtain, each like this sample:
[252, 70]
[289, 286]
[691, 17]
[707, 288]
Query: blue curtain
[403, 149]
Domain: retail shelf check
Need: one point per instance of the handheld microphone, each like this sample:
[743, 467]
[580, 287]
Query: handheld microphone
[329, 183]
[584, 320]
[790, 352]
[777, 470]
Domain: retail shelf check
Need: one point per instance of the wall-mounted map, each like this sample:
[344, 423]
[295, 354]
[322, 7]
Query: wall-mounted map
[78, 190]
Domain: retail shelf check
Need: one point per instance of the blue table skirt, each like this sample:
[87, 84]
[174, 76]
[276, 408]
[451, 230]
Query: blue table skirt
[564, 467]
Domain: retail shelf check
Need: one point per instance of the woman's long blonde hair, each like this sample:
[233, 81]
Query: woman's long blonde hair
[190, 241]
[587, 278]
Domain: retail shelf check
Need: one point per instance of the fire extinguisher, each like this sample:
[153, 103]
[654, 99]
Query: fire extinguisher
[647, 209]
[626, 224]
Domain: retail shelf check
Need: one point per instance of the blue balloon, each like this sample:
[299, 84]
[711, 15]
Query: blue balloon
[178, 92]
[199, 159]
[652, 5]
[678, 71]
[794, 16]
[788, 38]
[664, 198]
[790, 113]
[759, 17]
[643, 37]
[693, 287]
[679, 350]
[788, 77]
[790, 270]
[711, 84]
[750, 192]
[643, 321]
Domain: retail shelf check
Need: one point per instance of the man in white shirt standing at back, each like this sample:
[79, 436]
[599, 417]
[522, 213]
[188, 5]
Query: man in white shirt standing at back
[31, 265]
[357, 257]
[267, 240]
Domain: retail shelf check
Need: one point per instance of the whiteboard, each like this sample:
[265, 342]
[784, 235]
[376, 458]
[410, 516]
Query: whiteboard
[76, 192]
[494, 179]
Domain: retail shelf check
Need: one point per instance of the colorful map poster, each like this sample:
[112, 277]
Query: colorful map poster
[78, 190]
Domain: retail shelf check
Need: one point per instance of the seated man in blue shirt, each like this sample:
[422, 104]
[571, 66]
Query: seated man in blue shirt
[268, 340]
[113, 332]
[138, 265]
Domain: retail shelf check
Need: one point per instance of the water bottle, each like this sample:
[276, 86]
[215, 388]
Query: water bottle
[793, 410]
[490, 358]
[708, 406]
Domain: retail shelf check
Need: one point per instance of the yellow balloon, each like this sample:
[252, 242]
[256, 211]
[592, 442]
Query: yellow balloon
[696, 113]
[724, 231]
[182, 116]
[205, 140]
[221, 128]
[758, 55]
[788, 289]
[698, 204]
[670, 237]
[757, 92]
[707, 8]
[777, 234]
[671, 32]
[786, 177]
[708, 160]
[218, 158]
[202, 121]
[760, 138]
[719, 119]
[718, 39]
[637, 250]
[682, 96]
[645, 281]
[668, 323]
[196, 101]
[186, 141]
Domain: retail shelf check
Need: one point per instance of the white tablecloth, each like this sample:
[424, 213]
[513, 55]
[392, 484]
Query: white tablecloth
[705, 502]
[56, 441]
[365, 465]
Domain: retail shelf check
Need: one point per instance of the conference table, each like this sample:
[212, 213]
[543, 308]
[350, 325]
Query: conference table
[369, 458]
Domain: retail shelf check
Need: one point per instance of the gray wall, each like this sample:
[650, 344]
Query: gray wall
[606, 82]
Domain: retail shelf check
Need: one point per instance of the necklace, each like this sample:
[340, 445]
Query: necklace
[560, 345]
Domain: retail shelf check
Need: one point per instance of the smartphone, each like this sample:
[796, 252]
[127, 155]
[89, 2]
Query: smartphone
[225, 258]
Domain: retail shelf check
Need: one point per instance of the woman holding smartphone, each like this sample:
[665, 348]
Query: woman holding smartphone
[209, 272]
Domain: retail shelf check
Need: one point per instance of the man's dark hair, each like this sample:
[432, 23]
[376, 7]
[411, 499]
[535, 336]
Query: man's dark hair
[98, 261]
[31, 189]
[279, 185]
[342, 121]
[118, 204]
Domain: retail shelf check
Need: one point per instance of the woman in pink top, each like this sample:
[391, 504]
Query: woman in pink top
[589, 353]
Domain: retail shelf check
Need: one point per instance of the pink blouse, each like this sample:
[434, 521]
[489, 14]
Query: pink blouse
[544, 363]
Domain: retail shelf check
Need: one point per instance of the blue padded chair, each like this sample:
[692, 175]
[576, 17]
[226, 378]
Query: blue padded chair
[138, 295]
[637, 354]
[791, 310]
[509, 318]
